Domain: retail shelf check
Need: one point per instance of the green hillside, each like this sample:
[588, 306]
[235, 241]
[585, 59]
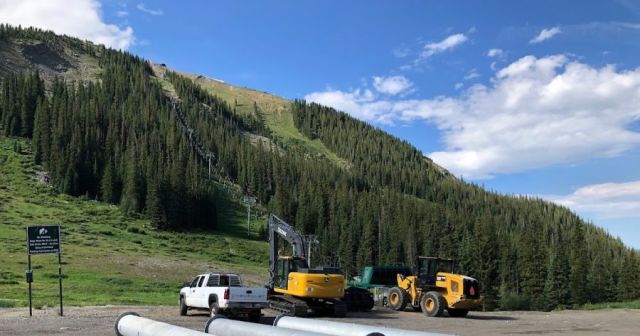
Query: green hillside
[141, 136]
[109, 258]
[275, 112]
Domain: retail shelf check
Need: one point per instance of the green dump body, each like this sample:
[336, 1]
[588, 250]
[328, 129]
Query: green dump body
[380, 276]
[378, 280]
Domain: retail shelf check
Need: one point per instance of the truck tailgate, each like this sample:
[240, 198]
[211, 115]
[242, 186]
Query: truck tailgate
[244, 294]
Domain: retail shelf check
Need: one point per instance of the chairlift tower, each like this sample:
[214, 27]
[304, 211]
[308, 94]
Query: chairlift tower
[249, 200]
[311, 239]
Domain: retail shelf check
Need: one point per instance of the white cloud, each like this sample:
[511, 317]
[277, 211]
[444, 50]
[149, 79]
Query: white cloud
[122, 13]
[536, 112]
[606, 200]
[430, 49]
[155, 12]
[360, 103]
[458, 86]
[546, 34]
[79, 18]
[472, 74]
[392, 85]
[401, 52]
[450, 42]
[495, 52]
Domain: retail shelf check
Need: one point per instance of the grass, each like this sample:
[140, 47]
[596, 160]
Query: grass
[109, 258]
[275, 111]
[613, 305]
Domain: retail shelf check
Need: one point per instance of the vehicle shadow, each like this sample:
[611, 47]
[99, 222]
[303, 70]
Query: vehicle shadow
[376, 313]
[472, 316]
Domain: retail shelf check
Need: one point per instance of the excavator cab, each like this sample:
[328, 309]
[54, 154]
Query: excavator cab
[286, 265]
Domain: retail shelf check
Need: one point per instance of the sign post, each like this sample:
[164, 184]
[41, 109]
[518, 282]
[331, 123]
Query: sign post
[42, 239]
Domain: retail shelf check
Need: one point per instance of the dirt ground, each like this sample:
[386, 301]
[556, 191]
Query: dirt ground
[99, 321]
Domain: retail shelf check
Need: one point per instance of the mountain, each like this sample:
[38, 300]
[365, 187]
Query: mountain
[110, 126]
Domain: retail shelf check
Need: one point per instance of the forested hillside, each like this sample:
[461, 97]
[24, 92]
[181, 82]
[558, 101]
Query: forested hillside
[131, 137]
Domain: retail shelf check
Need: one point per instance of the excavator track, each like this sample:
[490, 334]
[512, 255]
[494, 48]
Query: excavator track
[339, 308]
[289, 305]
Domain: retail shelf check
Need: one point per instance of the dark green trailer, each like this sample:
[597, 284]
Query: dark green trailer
[378, 279]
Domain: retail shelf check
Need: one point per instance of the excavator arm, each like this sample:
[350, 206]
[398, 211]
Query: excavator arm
[279, 229]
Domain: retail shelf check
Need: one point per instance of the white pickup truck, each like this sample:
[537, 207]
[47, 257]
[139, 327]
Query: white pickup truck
[222, 293]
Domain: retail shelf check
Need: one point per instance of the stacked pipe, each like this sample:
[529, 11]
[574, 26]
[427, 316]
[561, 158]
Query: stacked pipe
[343, 329]
[221, 326]
[131, 324]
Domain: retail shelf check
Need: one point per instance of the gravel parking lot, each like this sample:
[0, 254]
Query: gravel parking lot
[100, 321]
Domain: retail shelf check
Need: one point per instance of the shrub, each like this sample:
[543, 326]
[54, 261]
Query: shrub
[514, 301]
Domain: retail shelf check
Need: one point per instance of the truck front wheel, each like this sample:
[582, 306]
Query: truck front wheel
[183, 307]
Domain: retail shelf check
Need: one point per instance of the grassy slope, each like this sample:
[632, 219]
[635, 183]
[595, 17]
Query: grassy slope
[274, 110]
[108, 258]
[613, 305]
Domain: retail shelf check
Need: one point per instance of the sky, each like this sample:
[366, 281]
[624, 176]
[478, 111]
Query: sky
[538, 98]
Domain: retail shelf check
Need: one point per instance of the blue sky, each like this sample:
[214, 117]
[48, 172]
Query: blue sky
[538, 98]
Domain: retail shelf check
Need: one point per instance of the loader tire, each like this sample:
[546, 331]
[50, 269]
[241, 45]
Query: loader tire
[433, 304]
[398, 298]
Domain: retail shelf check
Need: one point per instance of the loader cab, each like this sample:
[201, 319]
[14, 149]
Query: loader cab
[286, 265]
[429, 267]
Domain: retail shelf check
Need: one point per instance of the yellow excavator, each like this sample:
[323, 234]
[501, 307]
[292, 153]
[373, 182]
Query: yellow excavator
[295, 288]
[435, 287]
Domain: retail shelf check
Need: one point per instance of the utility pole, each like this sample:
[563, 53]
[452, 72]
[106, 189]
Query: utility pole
[311, 239]
[248, 199]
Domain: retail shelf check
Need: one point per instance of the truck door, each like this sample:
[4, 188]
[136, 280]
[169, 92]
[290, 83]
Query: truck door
[191, 299]
[201, 293]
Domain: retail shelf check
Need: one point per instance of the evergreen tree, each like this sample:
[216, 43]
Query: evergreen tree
[579, 267]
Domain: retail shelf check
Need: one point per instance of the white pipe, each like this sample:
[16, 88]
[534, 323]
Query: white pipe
[131, 324]
[343, 329]
[220, 326]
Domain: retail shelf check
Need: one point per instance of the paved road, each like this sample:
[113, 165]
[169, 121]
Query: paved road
[99, 321]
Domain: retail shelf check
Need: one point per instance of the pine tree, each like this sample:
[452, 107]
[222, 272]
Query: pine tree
[556, 291]
[579, 267]
[485, 262]
[130, 201]
[41, 134]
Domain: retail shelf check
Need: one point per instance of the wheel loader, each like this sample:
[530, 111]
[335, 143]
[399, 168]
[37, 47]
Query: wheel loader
[435, 287]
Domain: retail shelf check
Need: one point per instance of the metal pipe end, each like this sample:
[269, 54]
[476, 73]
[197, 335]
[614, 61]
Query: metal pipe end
[275, 321]
[374, 334]
[120, 317]
[209, 321]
